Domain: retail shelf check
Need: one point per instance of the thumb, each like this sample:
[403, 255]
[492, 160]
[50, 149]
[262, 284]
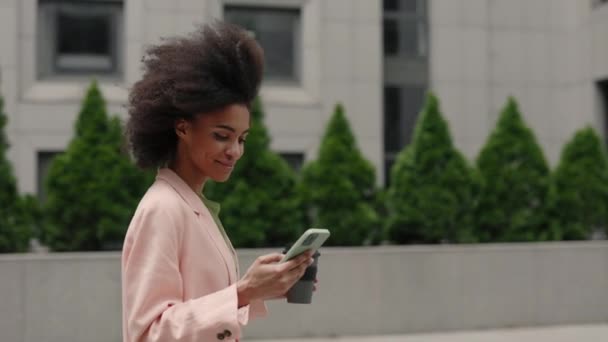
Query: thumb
[270, 258]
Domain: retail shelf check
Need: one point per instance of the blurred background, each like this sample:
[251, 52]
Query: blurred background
[455, 148]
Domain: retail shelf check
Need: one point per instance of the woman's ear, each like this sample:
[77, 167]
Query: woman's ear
[181, 128]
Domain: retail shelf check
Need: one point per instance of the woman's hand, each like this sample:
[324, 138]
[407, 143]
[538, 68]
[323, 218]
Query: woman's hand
[267, 279]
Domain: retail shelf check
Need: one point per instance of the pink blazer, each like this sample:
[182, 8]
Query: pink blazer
[178, 272]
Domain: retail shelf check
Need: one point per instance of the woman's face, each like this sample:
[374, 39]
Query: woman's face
[214, 142]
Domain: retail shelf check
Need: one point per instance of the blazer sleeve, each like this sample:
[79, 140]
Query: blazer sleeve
[153, 309]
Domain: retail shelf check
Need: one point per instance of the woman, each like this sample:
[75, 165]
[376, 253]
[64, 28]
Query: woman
[189, 118]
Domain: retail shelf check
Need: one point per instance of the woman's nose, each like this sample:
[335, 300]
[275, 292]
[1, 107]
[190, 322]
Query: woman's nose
[234, 150]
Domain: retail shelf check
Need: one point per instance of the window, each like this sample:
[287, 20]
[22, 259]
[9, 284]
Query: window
[295, 160]
[278, 32]
[79, 37]
[401, 107]
[602, 91]
[401, 5]
[391, 37]
[404, 28]
[406, 73]
[45, 158]
[403, 37]
[388, 167]
[391, 5]
[412, 101]
[410, 5]
[392, 119]
[411, 38]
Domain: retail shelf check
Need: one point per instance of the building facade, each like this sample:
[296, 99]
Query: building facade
[378, 58]
[551, 55]
[319, 53]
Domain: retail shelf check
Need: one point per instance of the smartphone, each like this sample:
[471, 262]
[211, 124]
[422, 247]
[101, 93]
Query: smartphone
[312, 239]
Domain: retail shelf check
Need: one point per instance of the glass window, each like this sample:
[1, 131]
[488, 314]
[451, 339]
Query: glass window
[602, 88]
[278, 32]
[392, 118]
[391, 37]
[294, 159]
[45, 158]
[79, 37]
[412, 101]
[410, 35]
[391, 5]
[401, 107]
[410, 6]
[404, 28]
[83, 41]
[389, 162]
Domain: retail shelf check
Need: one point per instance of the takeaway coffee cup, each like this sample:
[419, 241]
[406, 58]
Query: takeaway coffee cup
[301, 291]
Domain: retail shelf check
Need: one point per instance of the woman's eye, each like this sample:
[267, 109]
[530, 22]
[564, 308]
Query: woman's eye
[220, 137]
[242, 140]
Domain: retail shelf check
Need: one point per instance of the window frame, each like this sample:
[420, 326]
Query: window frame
[408, 117]
[49, 156]
[290, 156]
[48, 56]
[419, 19]
[296, 78]
[308, 91]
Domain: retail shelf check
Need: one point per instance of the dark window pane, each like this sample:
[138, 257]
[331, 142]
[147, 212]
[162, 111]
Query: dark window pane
[409, 5]
[388, 165]
[392, 118]
[409, 37]
[603, 90]
[391, 37]
[391, 5]
[45, 158]
[401, 108]
[412, 100]
[295, 160]
[277, 31]
[83, 34]
[79, 37]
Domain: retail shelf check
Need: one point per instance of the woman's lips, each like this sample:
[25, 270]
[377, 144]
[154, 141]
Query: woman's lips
[227, 165]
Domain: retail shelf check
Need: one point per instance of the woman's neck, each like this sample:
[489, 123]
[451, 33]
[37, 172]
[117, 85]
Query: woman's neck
[189, 174]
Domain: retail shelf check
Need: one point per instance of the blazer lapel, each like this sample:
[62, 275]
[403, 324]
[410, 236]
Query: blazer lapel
[195, 202]
[218, 240]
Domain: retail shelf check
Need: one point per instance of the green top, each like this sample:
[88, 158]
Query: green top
[214, 209]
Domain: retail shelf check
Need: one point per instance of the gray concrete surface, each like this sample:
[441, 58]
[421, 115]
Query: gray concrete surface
[400, 290]
[582, 333]
[362, 291]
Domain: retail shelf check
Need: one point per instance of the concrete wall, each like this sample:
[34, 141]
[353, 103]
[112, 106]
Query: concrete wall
[384, 290]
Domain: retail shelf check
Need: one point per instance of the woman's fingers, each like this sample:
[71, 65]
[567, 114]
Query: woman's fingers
[272, 279]
[270, 258]
[296, 262]
[299, 271]
[282, 276]
[291, 276]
